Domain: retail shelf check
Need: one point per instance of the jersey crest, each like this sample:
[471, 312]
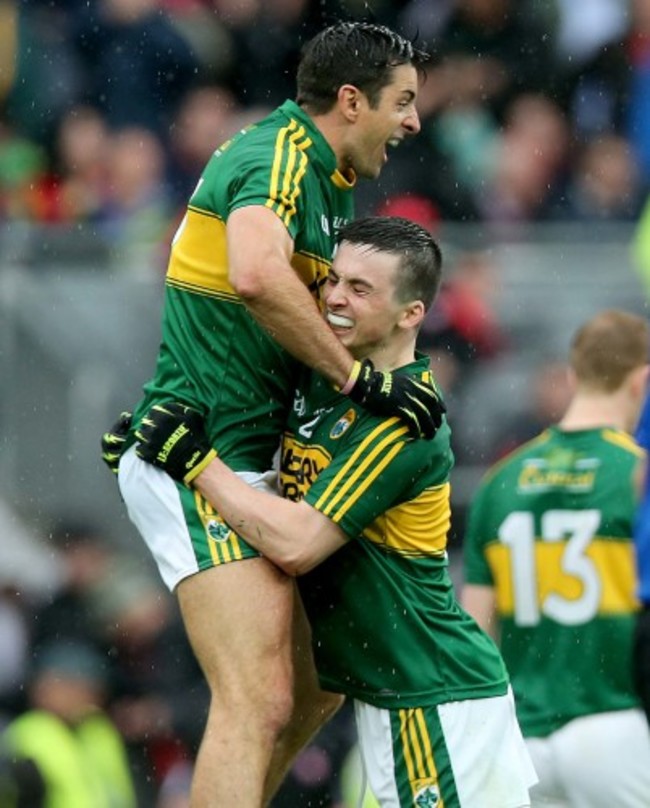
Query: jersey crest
[427, 797]
[218, 530]
[343, 424]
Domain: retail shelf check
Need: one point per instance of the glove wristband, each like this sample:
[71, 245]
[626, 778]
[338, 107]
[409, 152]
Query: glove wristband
[352, 378]
[194, 472]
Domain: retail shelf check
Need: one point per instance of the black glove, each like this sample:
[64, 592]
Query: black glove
[413, 400]
[171, 436]
[113, 441]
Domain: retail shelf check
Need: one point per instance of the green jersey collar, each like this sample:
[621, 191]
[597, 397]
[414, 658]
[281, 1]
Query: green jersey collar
[324, 150]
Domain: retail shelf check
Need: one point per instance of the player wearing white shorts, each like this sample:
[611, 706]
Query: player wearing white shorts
[241, 309]
[550, 569]
[363, 521]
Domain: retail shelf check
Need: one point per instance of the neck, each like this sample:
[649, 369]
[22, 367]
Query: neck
[393, 356]
[594, 410]
[332, 128]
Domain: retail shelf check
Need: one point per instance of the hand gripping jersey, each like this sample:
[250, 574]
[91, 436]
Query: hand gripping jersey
[213, 354]
[550, 529]
[387, 628]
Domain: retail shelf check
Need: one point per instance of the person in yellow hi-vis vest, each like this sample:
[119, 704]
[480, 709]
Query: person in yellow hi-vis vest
[353, 782]
[75, 747]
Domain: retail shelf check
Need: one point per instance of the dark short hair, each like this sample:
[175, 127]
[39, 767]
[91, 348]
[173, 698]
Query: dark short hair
[420, 267]
[358, 53]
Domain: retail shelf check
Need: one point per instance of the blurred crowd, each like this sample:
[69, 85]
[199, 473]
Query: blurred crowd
[531, 111]
[99, 689]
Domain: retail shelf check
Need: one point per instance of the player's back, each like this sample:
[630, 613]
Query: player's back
[553, 522]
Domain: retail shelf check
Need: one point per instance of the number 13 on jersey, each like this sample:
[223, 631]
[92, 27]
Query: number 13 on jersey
[566, 572]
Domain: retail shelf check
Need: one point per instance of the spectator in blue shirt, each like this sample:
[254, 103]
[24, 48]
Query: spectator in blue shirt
[641, 658]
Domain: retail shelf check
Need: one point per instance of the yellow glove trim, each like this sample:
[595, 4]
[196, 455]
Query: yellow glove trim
[194, 472]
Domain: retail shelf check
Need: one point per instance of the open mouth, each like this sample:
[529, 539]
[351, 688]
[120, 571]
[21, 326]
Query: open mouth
[393, 143]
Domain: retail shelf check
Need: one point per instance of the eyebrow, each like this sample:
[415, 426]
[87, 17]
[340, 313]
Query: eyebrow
[354, 281]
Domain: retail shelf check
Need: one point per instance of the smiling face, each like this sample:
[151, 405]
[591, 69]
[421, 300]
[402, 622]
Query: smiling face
[376, 129]
[361, 304]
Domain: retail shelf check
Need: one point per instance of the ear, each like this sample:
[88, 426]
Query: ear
[350, 101]
[412, 315]
[639, 380]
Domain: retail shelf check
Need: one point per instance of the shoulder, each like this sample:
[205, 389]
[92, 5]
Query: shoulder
[623, 441]
[512, 462]
[388, 439]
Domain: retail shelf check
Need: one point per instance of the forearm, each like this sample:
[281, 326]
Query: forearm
[289, 314]
[292, 535]
[260, 252]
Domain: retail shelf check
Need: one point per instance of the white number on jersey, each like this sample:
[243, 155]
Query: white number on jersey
[575, 529]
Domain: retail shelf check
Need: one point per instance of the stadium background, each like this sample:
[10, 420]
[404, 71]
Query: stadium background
[533, 170]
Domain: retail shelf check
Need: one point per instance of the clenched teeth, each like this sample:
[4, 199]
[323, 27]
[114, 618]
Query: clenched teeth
[338, 320]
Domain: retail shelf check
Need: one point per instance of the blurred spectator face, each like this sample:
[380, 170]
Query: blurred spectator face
[69, 697]
[136, 165]
[141, 620]
[207, 118]
[533, 149]
[68, 680]
[542, 125]
[608, 172]
[83, 141]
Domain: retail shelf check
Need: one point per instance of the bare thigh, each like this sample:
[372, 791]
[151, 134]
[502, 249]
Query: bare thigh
[239, 618]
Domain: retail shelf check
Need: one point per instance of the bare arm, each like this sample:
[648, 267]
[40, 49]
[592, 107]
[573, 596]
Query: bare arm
[480, 602]
[292, 535]
[259, 255]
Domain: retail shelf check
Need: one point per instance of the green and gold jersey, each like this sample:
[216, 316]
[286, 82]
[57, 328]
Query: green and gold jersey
[213, 354]
[387, 628]
[550, 530]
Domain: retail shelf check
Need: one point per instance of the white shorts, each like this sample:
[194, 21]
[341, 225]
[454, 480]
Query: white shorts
[463, 754]
[599, 761]
[182, 530]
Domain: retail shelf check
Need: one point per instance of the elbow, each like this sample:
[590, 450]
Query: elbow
[294, 564]
[303, 564]
[248, 286]
[283, 558]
